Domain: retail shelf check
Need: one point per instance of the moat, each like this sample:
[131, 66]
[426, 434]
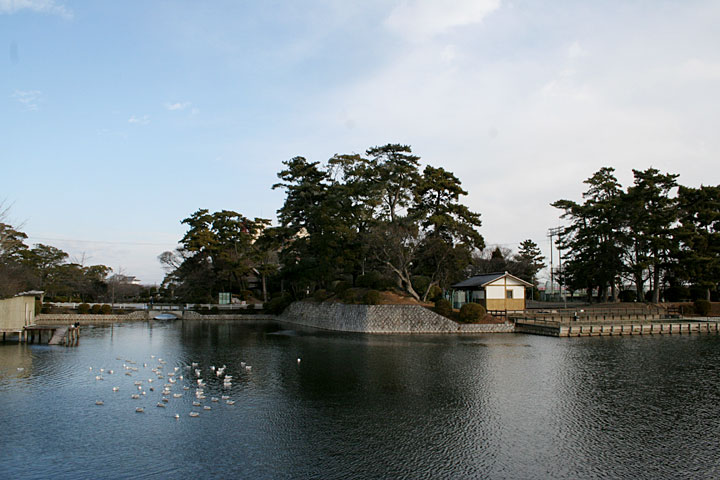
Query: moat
[359, 406]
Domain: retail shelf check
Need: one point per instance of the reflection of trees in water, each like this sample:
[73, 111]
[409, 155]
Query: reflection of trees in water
[12, 357]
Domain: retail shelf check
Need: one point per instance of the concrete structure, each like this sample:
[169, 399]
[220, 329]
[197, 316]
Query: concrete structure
[17, 312]
[380, 319]
[498, 291]
[557, 329]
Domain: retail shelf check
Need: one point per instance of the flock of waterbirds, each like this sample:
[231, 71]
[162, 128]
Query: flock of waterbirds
[169, 384]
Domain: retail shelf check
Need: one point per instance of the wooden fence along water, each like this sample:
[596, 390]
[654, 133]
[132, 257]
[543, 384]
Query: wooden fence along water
[638, 319]
[557, 329]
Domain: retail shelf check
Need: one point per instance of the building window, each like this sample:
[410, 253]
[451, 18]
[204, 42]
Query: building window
[508, 294]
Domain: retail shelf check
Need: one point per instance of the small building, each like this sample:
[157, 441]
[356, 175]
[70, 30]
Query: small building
[17, 312]
[498, 291]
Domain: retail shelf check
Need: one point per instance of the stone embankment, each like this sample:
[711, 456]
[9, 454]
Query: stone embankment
[139, 316]
[380, 319]
[88, 318]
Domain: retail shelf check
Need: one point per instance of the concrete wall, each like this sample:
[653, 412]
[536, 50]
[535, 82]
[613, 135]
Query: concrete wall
[16, 312]
[379, 319]
[88, 319]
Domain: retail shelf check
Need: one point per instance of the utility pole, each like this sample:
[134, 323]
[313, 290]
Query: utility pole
[553, 232]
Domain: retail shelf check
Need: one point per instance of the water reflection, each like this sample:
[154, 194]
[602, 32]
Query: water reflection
[358, 406]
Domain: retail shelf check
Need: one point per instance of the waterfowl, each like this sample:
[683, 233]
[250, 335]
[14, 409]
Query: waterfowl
[230, 402]
[115, 389]
[176, 416]
[160, 404]
[196, 404]
[207, 407]
[177, 395]
[134, 396]
[214, 399]
[194, 414]
[99, 402]
[139, 410]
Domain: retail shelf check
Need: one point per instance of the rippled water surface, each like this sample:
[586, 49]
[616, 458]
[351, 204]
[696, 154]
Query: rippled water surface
[356, 406]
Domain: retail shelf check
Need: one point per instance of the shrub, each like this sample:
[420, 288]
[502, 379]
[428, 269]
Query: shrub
[83, 308]
[687, 309]
[278, 304]
[348, 295]
[96, 309]
[676, 294]
[214, 310]
[341, 287]
[702, 307]
[106, 309]
[374, 280]
[627, 296]
[471, 313]
[443, 307]
[372, 297]
[246, 295]
[321, 295]
[435, 293]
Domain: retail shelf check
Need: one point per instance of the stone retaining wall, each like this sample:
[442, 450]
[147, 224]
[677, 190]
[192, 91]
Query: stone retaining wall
[87, 319]
[139, 316]
[380, 319]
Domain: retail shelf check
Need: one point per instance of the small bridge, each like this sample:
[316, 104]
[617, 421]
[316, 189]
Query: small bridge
[164, 314]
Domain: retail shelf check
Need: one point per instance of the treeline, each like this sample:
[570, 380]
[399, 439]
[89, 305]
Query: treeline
[375, 221]
[47, 268]
[655, 235]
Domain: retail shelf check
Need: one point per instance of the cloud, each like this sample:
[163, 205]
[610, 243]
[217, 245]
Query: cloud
[177, 105]
[49, 7]
[700, 70]
[576, 50]
[144, 120]
[30, 99]
[418, 20]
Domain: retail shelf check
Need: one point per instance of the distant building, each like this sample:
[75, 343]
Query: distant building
[498, 291]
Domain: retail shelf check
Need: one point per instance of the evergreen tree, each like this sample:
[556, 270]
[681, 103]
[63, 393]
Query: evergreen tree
[650, 214]
[698, 234]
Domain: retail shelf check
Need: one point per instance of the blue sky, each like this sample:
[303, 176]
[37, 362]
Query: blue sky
[121, 118]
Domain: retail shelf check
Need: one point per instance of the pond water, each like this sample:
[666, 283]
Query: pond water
[359, 406]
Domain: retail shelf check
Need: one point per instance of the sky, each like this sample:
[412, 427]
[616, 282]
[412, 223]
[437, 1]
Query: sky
[120, 118]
